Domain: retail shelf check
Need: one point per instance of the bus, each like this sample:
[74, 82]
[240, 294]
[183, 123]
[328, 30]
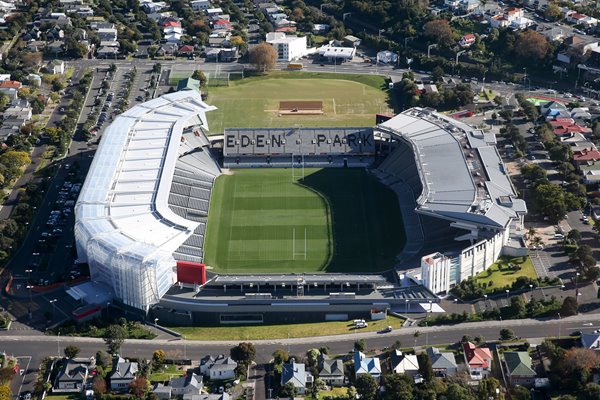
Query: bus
[295, 66]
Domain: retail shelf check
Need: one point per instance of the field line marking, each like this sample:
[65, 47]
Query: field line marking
[334, 110]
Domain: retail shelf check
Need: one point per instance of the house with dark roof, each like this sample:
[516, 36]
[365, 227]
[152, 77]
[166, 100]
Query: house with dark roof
[590, 341]
[189, 384]
[442, 363]
[331, 371]
[519, 368]
[296, 374]
[123, 372]
[478, 360]
[73, 375]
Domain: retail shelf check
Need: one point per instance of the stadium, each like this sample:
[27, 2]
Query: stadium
[290, 224]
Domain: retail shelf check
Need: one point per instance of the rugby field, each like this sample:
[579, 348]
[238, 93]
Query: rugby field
[333, 220]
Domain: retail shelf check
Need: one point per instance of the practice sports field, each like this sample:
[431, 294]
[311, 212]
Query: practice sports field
[253, 102]
[333, 220]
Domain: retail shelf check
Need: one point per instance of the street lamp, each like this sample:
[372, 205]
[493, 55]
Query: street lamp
[531, 295]
[155, 321]
[507, 291]
[485, 300]
[379, 33]
[577, 284]
[559, 324]
[53, 301]
[344, 16]
[406, 306]
[431, 46]
[456, 60]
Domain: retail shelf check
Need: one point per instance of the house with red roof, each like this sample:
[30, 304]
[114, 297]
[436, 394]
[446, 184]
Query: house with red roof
[467, 40]
[11, 84]
[172, 24]
[586, 156]
[478, 360]
[222, 24]
[185, 50]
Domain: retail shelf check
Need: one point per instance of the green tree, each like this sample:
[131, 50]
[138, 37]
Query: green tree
[114, 337]
[574, 235]
[506, 334]
[139, 387]
[553, 12]
[425, 367]
[437, 73]
[550, 201]
[102, 358]
[487, 388]
[280, 356]
[288, 390]
[360, 345]
[569, 307]
[99, 386]
[520, 393]
[459, 392]
[366, 387]
[398, 386]
[439, 31]
[71, 351]
[200, 76]
[158, 359]
[591, 392]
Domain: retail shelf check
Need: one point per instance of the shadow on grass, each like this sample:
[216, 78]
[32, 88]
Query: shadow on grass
[367, 232]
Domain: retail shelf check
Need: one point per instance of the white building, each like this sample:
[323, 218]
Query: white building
[288, 48]
[125, 228]
[435, 272]
[200, 5]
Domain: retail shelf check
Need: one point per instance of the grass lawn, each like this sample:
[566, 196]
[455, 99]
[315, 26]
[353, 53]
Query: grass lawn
[500, 275]
[334, 392]
[166, 373]
[72, 396]
[348, 100]
[267, 332]
[334, 220]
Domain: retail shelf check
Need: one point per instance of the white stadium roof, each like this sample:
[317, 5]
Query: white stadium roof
[462, 174]
[123, 205]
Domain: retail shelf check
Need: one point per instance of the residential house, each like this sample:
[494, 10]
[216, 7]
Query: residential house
[220, 367]
[167, 49]
[452, 4]
[222, 55]
[296, 374]
[512, 13]
[56, 67]
[152, 7]
[122, 374]
[331, 371]
[107, 52]
[591, 340]
[54, 33]
[32, 34]
[319, 29]
[498, 21]
[442, 363]
[579, 44]
[171, 24]
[366, 365]
[478, 360]
[580, 114]
[586, 156]
[36, 45]
[162, 392]
[189, 384]
[73, 375]
[213, 11]
[208, 396]
[288, 48]
[404, 363]
[519, 368]
[18, 112]
[173, 34]
[185, 51]
[200, 5]
[468, 6]
[580, 19]
[521, 23]
[222, 24]
[467, 40]
[107, 34]
[350, 40]
[219, 39]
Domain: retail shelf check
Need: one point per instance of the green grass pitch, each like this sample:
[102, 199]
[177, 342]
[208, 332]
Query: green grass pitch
[261, 220]
[348, 100]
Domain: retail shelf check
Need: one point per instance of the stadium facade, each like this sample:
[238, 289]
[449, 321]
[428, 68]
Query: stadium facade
[142, 212]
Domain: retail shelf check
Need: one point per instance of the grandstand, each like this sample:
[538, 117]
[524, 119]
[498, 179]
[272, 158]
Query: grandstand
[311, 147]
[130, 220]
[457, 178]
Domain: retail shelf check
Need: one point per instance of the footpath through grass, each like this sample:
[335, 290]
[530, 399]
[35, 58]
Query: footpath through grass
[333, 220]
[348, 100]
[501, 274]
[266, 332]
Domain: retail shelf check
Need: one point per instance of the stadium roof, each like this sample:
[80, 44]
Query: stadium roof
[305, 279]
[124, 198]
[461, 171]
